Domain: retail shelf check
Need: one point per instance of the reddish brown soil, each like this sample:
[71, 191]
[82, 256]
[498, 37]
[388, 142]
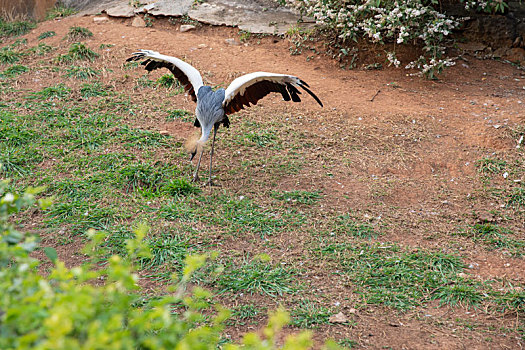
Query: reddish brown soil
[398, 147]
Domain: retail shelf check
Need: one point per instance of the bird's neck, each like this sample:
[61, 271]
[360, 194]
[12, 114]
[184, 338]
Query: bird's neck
[206, 130]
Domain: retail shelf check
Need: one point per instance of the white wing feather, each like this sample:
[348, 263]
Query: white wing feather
[239, 85]
[191, 72]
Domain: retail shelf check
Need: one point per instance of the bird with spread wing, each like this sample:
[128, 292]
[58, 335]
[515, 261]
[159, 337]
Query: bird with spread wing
[214, 107]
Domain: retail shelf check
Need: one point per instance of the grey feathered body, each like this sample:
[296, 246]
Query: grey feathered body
[209, 106]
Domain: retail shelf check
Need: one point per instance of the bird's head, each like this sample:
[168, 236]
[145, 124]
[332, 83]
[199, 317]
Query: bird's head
[193, 153]
[192, 145]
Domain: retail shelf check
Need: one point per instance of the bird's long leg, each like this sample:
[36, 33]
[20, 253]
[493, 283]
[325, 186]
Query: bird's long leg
[215, 128]
[196, 174]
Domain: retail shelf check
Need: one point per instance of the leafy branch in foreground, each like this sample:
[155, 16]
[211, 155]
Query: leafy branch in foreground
[69, 308]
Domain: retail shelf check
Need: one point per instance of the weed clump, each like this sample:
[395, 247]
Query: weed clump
[9, 56]
[180, 187]
[82, 73]
[14, 70]
[92, 90]
[46, 35]
[14, 28]
[78, 34]
[60, 11]
[77, 52]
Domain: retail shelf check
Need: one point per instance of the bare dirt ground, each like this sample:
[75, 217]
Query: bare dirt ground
[398, 151]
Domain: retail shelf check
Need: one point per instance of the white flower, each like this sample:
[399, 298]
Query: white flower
[8, 198]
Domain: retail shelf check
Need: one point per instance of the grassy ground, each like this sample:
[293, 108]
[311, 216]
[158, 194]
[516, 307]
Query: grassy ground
[82, 127]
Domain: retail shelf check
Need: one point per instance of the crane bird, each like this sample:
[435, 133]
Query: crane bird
[213, 107]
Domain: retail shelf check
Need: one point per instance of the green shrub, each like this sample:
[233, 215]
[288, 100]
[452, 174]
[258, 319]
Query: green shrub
[71, 309]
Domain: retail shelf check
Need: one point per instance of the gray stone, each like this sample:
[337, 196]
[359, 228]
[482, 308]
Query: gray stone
[186, 28]
[255, 16]
[248, 15]
[121, 10]
[100, 19]
[138, 22]
[169, 8]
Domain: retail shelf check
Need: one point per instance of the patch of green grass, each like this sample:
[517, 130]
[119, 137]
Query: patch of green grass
[150, 179]
[261, 138]
[56, 92]
[181, 114]
[9, 56]
[496, 237]
[144, 82]
[18, 43]
[79, 215]
[130, 65]
[143, 139]
[77, 189]
[255, 277]
[244, 35]
[403, 279]
[179, 187]
[244, 215]
[347, 343]
[15, 28]
[41, 49]
[347, 226]
[309, 314]
[516, 198]
[245, 314]
[76, 52]
[139, 176]
[179, 211]
[93, 90]
[459, 294]
[14, 131]
[81, 72]
[167, 81]
[488, 166]
[78, 33]
[15, 161]
[513, 301]
[14, 70]
[46, 35]
[297, 196]
[236, 216]
[168, 251]
[60, 11]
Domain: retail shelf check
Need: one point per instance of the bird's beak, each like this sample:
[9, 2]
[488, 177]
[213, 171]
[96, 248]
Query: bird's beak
[192, 155]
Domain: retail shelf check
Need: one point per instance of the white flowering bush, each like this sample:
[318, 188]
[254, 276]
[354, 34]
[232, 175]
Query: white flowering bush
[397, 22]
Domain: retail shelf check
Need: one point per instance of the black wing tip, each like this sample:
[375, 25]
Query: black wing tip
[306, 88]
[304, 83]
